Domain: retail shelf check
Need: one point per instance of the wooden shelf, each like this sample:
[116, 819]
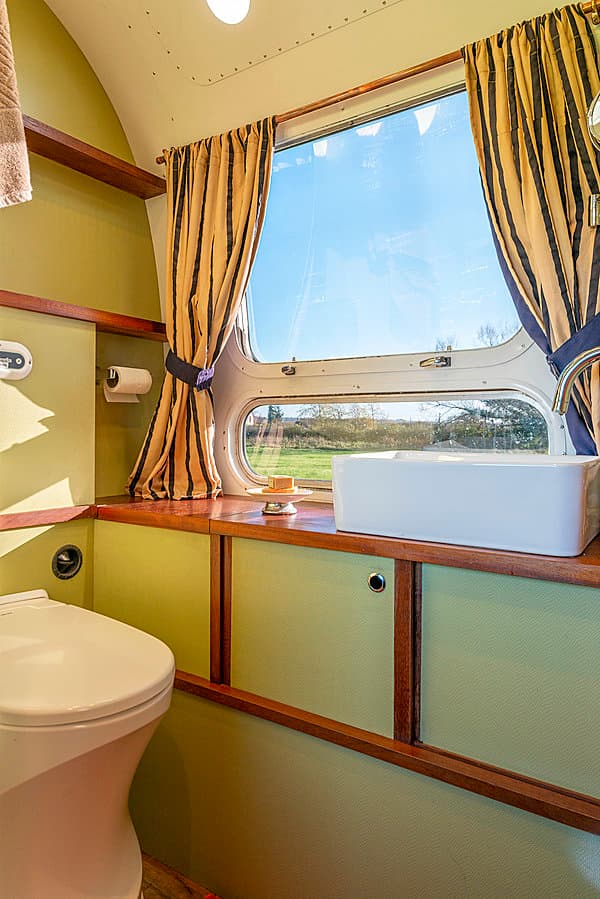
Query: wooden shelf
[13, 520]
[109, 322]
[75, 154]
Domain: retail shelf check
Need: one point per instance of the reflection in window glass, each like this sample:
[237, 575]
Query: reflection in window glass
[300, 440]
[376, 241]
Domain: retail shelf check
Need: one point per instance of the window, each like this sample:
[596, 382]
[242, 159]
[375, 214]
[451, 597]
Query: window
[377, 257]
[376, 241]
[302, 439]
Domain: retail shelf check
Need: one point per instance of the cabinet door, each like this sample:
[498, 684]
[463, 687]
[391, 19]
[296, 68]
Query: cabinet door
[307, 631]
[510, 673]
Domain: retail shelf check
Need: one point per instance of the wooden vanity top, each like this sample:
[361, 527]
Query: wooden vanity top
[314, 526]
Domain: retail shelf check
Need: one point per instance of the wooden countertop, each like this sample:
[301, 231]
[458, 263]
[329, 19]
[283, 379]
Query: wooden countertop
[314, 526]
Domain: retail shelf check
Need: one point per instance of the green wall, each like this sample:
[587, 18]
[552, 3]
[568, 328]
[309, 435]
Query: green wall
[26, 561]
[78, 240]
[121, 428]
[82, 242]
[47, 430]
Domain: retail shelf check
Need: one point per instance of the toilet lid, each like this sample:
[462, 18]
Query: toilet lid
[60, 664]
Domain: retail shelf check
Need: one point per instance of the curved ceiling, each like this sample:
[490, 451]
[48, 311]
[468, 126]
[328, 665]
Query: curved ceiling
[175, 73]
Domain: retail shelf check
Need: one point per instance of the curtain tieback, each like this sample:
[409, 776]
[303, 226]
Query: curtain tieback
[584, 339]
[200, 378]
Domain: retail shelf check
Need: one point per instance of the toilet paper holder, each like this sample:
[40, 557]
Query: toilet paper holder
[122, 384]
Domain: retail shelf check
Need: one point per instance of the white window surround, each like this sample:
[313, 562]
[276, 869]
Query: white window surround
[516, 368]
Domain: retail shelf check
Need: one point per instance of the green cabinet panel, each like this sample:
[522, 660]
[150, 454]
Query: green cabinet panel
[47, 449]
[159, 581]
[511, 673]
[26, 561]
[307, 631]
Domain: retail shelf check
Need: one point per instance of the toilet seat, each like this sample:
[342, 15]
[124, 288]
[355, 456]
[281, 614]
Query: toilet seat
[63, 665]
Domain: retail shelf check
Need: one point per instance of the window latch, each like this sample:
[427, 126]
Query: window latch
[436, 362]
[288, 369]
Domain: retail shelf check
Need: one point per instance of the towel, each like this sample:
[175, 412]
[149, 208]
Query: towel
[15, 184]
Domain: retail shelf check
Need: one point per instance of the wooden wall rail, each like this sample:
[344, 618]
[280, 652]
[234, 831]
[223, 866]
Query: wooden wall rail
[69, 151]
[538, 797]
[109, 322]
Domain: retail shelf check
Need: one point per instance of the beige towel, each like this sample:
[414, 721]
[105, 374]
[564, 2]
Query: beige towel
[15, 184]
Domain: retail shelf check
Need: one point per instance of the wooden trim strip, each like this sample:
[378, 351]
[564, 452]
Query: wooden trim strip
[385, 81]
[220, 609]
[226, 596]
[108, 322]
[406, 651]
[540, 798]
[215, 608]
[417, 648]
[220, 557]
[12, 521]
[69, 151]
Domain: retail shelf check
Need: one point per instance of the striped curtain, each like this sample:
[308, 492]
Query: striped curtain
[216, 195]
[529, 90]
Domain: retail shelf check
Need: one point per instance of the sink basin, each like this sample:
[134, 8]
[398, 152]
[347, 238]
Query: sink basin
[525, 502]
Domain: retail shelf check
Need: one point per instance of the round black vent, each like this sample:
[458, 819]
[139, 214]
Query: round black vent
[66, 562]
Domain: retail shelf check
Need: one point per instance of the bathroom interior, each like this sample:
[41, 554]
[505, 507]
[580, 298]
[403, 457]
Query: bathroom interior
[377, 676]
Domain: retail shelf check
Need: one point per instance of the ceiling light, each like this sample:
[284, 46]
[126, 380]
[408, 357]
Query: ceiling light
[229, 11]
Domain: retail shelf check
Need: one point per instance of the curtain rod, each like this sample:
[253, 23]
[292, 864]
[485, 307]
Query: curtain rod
[589, 8]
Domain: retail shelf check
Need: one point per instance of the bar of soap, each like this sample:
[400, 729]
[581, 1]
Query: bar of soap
[280, 482]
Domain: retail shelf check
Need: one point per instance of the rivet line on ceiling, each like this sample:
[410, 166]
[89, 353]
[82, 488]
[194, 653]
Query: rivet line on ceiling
[215, 78]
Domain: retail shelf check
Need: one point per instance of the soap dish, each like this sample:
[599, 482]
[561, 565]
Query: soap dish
[279, 503]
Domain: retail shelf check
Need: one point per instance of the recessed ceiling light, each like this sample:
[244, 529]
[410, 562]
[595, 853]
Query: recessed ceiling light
[229, 11]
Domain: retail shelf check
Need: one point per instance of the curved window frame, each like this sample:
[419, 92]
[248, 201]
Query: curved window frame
[516, 367]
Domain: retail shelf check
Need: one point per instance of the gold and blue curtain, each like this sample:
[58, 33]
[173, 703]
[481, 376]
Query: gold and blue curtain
[529, 90]
[216, 196]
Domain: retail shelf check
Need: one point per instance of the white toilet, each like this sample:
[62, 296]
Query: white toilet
[80, 697]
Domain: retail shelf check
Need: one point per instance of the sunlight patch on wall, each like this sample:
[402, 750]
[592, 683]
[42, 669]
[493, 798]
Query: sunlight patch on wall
[12, 540]
[53, 496]
[25, 417]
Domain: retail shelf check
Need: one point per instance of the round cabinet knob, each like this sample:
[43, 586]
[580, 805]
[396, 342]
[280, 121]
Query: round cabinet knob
[376, 582]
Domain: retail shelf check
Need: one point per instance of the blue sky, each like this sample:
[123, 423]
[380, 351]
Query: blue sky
[376, 241]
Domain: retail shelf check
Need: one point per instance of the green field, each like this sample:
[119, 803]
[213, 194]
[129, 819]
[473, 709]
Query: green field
[313, 464]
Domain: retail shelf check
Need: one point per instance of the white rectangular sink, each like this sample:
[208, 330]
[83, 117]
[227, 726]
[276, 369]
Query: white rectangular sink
[525, 502]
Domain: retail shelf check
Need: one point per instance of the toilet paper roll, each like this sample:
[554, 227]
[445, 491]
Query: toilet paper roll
[127, 383]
